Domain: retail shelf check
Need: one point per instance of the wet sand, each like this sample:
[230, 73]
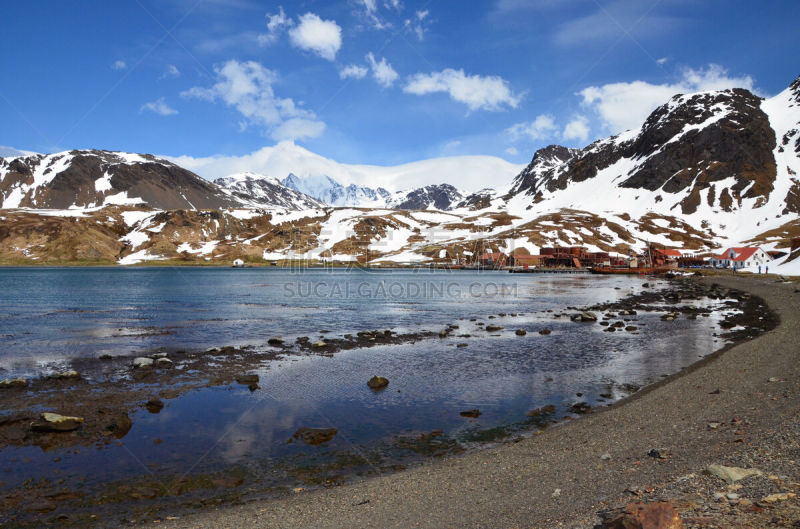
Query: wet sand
[563, 477]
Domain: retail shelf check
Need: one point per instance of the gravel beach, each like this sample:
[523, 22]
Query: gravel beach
[736, 408]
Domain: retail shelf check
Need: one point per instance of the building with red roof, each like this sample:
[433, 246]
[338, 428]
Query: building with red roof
[744, 257]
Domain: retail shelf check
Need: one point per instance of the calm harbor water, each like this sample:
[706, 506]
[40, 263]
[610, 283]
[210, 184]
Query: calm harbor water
[52, 315]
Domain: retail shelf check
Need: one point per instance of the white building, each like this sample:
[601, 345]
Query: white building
[741, 258]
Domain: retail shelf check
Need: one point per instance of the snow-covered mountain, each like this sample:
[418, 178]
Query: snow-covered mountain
[329, 191]
[266, 192]
[91, 178]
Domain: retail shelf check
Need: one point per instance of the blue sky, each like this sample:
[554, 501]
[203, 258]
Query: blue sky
[371, 81]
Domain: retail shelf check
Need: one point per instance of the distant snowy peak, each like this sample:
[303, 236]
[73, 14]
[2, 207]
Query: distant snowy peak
[90, 178]
[545, 161]
[265, 192]
[329, 191]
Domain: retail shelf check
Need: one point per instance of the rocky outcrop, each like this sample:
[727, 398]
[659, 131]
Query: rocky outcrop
[95, 178]
[442, 197]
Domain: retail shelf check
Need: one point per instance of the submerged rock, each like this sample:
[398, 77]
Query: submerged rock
[545, 332]
[378, 382]
[246, 380]
[520, 332]
[493, 328]
[275, 341]
[544, 410]
[154, 405]
[314, 436]
[472, 414]
[53, 422]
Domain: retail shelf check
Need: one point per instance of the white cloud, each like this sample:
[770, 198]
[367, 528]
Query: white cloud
[623, 106]
[275, 26]
[397, 5]
[418, 24]
[353, 71]
[170, 72]
[298, 128]
[475, 91]
[382, 71]
[512, 151]
[119, 65]
[662, 61]
[247, 87]
[577, 129]
[323, 37]
[159, 106]
[370, 13]
[469, 172]
[540, 128]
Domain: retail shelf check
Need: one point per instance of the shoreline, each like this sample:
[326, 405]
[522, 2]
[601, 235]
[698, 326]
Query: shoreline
[560, 477]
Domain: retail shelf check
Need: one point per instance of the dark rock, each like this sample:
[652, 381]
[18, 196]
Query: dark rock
[545, 332]
[314, 436]
[246, 380]
[520, 332]
[378, 382]
[154, 405]
[275, 341]
[659, 515]
[472, 414]
[493, 328]
[544, 410]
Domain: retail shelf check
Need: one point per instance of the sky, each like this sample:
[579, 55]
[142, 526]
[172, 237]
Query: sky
[381, 82]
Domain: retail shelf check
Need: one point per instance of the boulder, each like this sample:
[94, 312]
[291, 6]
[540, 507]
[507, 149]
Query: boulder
[275, 341]
[520, 332]
[154, 405]
[658, 515]
[142, 362]
[493, 328]
[164, 362]
[53, 422]
[732, 474]
[9, 383]
[378, 382]
[584, 316]
[314, 436]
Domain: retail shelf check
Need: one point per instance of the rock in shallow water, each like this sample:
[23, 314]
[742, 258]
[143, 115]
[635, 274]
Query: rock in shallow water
[9, 383]
[53, 422]
[314, 436]
[471, 414]
[378, 382]
[142, 362]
